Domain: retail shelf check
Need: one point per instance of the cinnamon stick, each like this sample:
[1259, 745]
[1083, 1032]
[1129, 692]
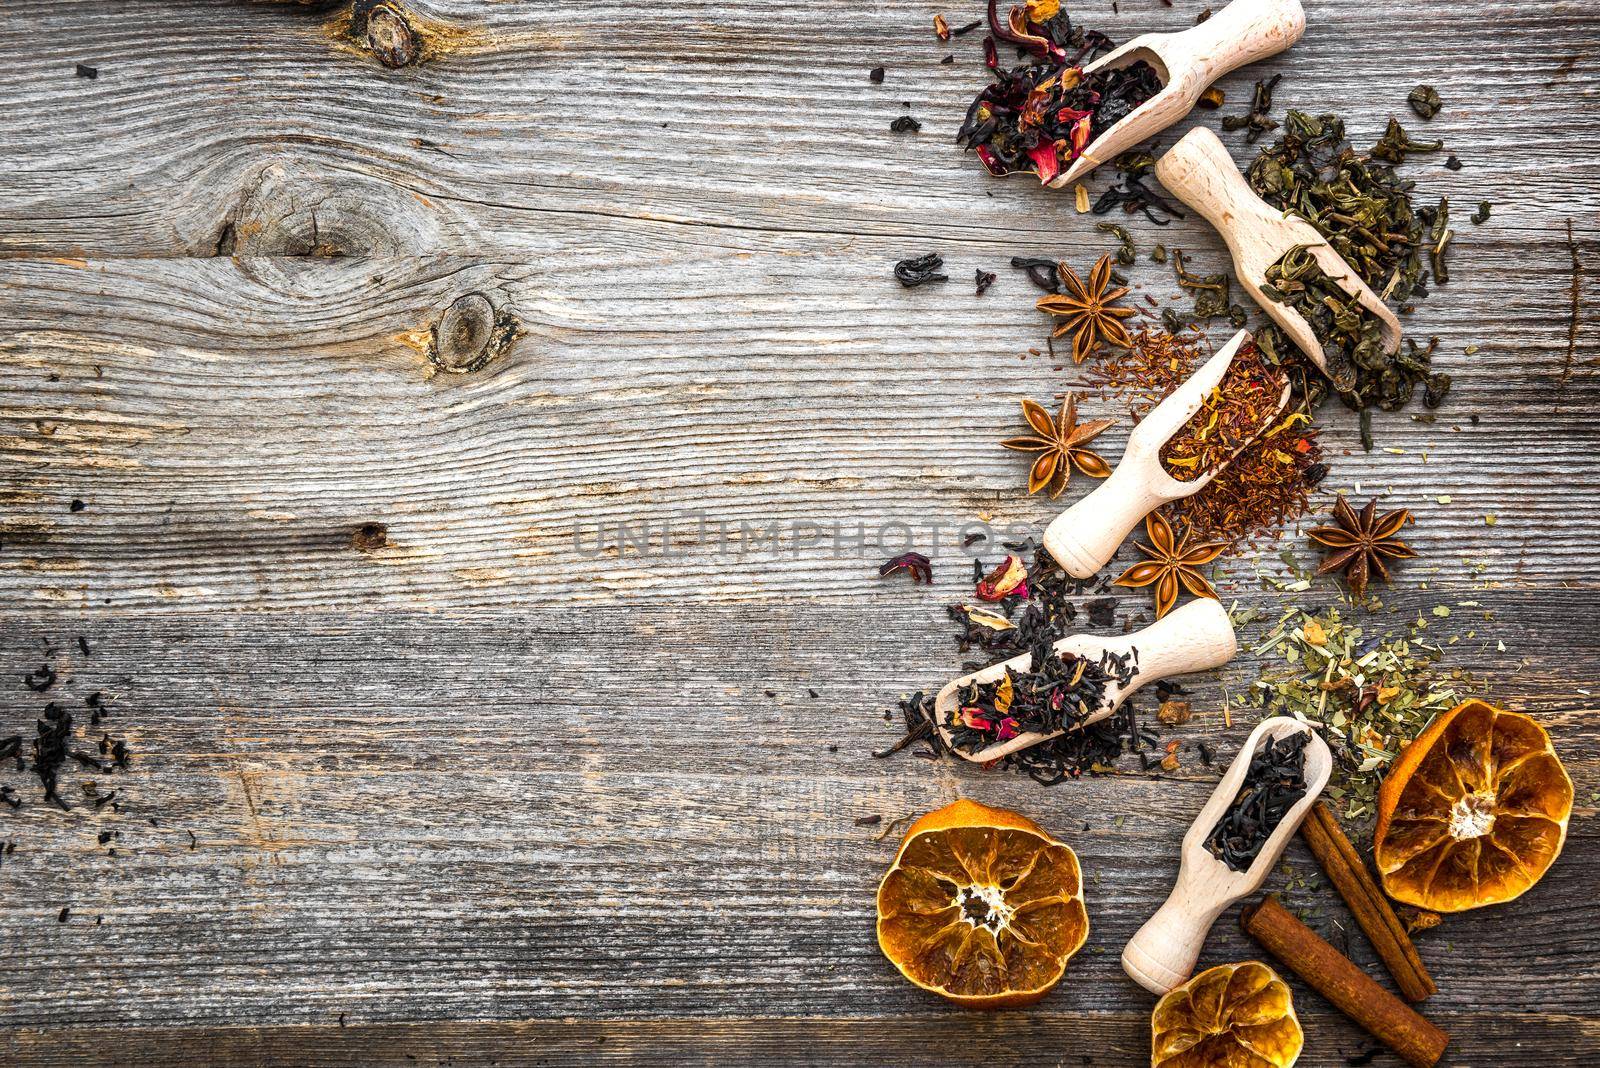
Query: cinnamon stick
[1381, 1014]
[1367, 903]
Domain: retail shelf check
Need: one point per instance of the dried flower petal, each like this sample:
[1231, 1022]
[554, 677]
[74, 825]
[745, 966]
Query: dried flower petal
[1010, 576]
[919, 567]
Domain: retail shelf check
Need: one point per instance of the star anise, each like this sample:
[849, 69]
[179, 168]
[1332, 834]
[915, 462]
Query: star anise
[1361, 542]
[1061, 444]
[1172, 561]
[1086, 311]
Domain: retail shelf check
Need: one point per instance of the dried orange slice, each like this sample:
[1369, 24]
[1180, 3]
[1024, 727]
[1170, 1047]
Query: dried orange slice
[982, 907]
[1474, 811]
[1230, 1016]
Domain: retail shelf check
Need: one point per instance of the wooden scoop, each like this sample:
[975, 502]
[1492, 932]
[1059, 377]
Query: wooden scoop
[1187, 63]
[1085, 537]
[1199, 172]
[1196, 637]
[1163, 952]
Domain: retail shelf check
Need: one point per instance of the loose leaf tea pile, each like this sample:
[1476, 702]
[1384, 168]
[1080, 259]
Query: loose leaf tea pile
[1364, 210]
[1035, 607]
[1238, 408]
[1264, 487]
[1358, 364]
[1272, 785]
[1370, 695]
[1055, 693]
[1036, 610]
[1356, 201]
[1039, 118]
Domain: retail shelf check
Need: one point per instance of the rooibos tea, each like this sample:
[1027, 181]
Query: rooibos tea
[1236, 411]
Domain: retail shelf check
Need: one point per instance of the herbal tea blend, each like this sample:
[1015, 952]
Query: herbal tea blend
[1272, 785]
[1055, 693]
[1370, 693]
[1039, 118]
[1237, 409]
[1364, 210]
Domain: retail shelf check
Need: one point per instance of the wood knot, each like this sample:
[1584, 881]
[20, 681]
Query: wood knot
[469, 334]
[297, 206]
[369, 537]
[387, 32]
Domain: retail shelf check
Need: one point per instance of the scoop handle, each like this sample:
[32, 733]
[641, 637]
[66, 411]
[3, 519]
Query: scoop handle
[1163, 953]
[1200, 172]
[1241, 33]
[1195, 637]
[1085, 537]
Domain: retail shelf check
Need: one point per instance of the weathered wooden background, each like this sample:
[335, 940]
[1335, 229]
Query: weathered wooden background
[433, 762]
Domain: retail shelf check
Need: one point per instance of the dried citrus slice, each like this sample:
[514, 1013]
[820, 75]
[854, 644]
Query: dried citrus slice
[982, 907]
[1473, 812]
[1230, 1016]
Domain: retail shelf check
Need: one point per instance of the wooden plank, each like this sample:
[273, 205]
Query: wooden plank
[403, 815]
[535, 118]
[967, 1039]
[231, 423]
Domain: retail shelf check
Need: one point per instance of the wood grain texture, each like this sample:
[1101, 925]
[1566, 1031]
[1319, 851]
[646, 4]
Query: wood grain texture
[398, 816]
[910, 1039]
[487, 777]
